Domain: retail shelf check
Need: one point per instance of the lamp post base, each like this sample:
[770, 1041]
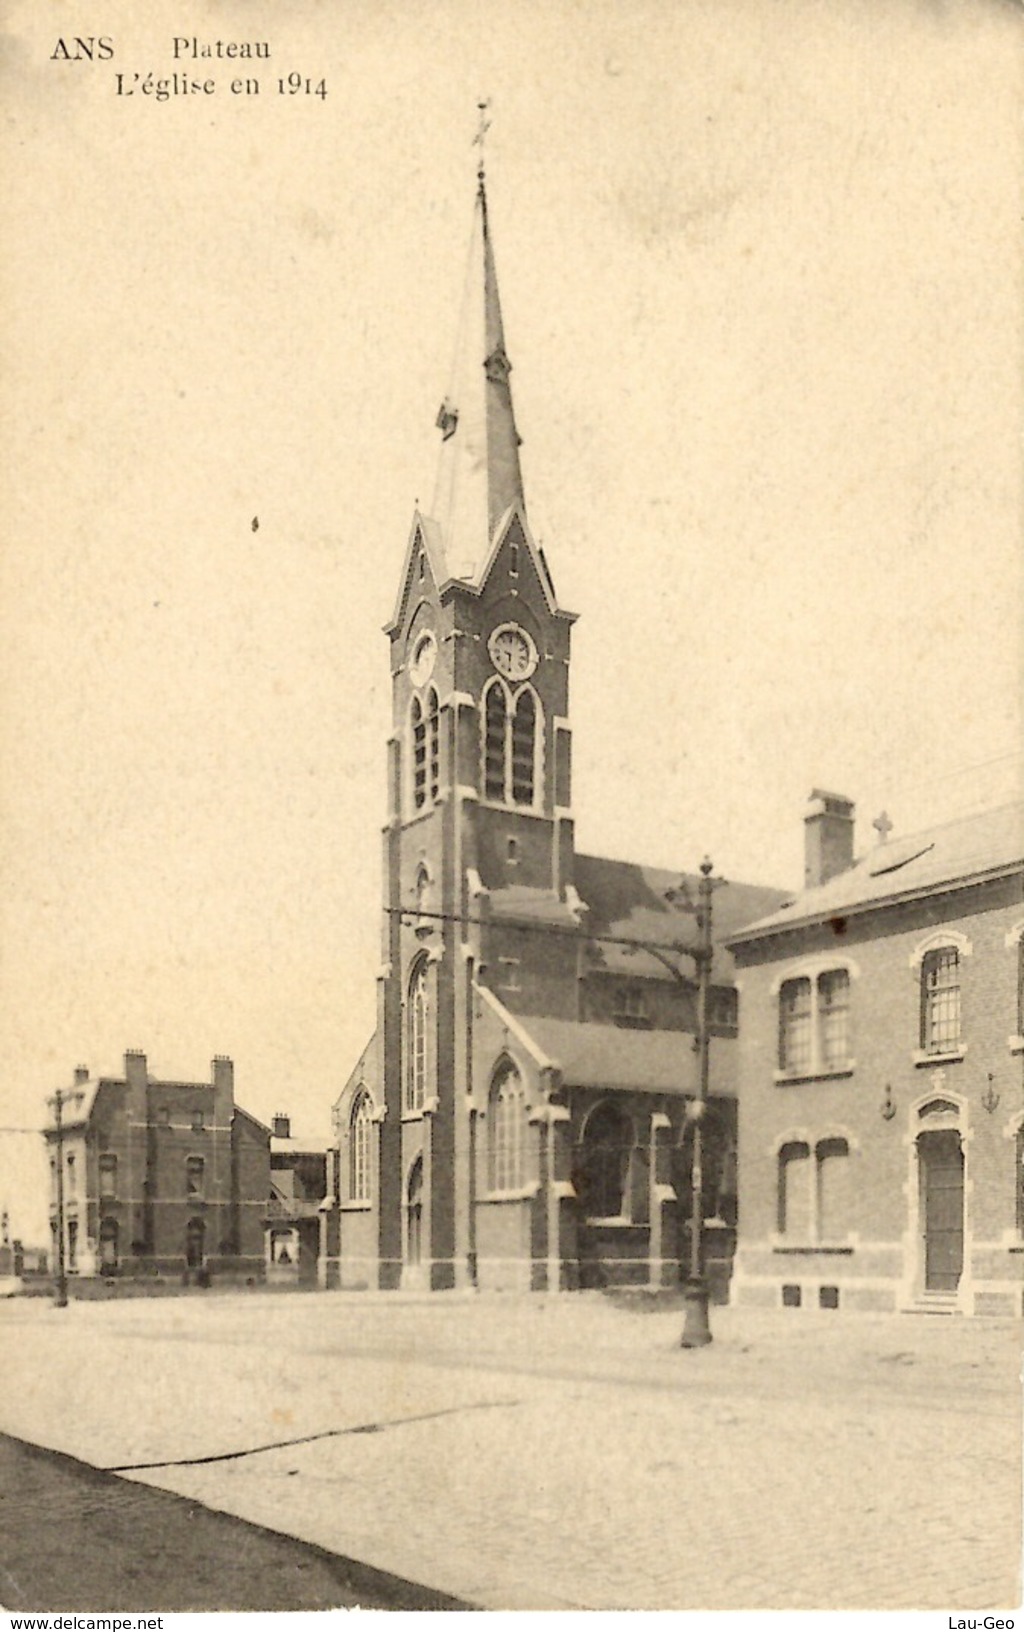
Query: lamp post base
[696, 1328]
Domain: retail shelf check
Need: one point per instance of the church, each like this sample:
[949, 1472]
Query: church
[519, 1118]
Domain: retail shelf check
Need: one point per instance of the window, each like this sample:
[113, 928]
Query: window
[416, 1039]
[424, 723]
[833, 1197]
[163, 1116]
[108, 1175]
[195, 1175]
[506, 1114]
[72, 1244]
[433, 756]
[510, 745]
[815, 1198]
[631, 1006]
[940, 1000]
[197, 1121]
[508, 969]
[359, 1146]
[794, 1190]
[495, 716]
[108, 1246]
[1020, 986]
[834, 1018]
[814, 1024]
[524, 737]
[1019, 1178]
[419, 755]
[724, 1008]
[71, 1175]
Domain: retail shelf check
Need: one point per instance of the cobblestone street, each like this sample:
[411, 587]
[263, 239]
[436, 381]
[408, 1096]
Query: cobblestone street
[550, 1453]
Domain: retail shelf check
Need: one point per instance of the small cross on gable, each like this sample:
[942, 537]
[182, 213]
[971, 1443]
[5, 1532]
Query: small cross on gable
[883, 827]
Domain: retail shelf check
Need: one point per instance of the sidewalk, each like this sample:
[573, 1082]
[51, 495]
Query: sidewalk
[539, 1452]
[74, 1538]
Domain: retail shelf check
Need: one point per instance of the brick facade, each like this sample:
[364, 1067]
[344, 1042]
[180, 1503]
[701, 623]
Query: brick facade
[889, 1178]
[160, 1177]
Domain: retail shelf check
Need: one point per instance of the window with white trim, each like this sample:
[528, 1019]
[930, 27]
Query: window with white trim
[940, 1000]
[814, 1194]
[814, 1023]
[195, 1176]
[360, 1135]
[506, 1117]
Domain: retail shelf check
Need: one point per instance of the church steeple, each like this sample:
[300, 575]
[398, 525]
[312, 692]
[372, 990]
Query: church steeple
[479, 478]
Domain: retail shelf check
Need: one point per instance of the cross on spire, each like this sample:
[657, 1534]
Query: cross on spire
[883, 826]
[482, 127]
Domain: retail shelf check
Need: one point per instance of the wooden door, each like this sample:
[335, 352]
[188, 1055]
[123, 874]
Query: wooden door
[942, 1204]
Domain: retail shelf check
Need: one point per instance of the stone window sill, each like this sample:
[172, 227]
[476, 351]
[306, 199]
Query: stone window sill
[782, 1078]
[946, 1056]
[817, 1249]
[526, 1192]
[1016, 1045]
[357, 1206]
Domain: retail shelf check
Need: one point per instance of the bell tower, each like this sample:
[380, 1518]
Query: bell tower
[478, 783]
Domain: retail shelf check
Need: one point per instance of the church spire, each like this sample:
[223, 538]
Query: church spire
[479, 478]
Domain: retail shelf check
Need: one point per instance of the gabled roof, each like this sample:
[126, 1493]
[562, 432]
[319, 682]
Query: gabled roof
[596, 1056]
[628, 900]
[936, 860]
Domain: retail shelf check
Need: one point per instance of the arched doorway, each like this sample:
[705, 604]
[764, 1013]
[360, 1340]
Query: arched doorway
[414, 1214]
[940, 1196]
[601, 1178]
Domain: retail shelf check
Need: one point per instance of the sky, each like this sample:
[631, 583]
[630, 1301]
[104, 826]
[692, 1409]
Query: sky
[760, 274]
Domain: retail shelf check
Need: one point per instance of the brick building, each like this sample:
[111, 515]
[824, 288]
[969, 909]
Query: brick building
[882, 1072]
[159, 1177]
[298, 1185]
[519, 1116]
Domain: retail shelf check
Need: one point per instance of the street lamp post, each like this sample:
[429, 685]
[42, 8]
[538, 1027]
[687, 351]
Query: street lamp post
[61, 1300]
[696, 1326]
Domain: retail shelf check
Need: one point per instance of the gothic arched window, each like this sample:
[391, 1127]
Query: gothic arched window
[505, 1112]
[419, 755]
[432, 755]
[495, 728]
[416, 1039]
[524, 744]
[360, 1131]
[510, 744]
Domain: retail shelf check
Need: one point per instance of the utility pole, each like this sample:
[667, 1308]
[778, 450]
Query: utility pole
[61, 1301]
[696, 1326]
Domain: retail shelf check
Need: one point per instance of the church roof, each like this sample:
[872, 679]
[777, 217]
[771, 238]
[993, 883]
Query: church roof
[628, 900]
[957, 853]
[598, 1056]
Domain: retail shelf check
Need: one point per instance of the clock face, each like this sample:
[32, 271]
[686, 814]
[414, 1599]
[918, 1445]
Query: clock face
[512, 652]
[423, 659]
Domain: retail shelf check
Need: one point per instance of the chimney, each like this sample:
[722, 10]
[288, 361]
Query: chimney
[81, 1074]
[828, 837]
[281, 1127]
[135, 1068]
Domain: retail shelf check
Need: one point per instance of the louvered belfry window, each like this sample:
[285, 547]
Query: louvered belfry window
[495, 717]
[524, 735]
